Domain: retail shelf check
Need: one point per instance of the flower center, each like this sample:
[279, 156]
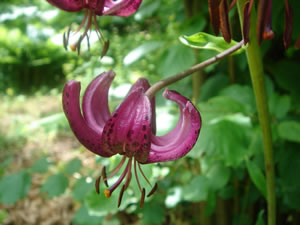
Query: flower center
[126, 174]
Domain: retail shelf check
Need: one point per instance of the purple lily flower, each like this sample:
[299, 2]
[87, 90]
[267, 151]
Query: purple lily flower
[92, 9]
[130, 129]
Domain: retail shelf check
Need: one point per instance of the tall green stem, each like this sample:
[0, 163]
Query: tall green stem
[257, 77]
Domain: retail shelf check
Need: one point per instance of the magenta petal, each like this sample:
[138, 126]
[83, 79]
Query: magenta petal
[121, 7]
[143, 83]
[86, 135]
[68, 5]
[95, 101]
[182, 138]
[128, 130]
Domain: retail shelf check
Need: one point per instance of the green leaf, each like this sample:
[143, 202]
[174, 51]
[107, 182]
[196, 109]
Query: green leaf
[82, 217]
[218, 176]
[260, 218]
[203, 40]
[55, 185]
[3, 215]
[14, 187]
[73, 166]
[5, 164]
[99, 205]
[289, 130]
[153, 213]
[211, 203]
[212, 86]
[242, 94]
[219, 107]
[289, 167]
[141, 51]
[257, 177]
[41, 165]
[197, 190]
[223, 139]
[283, 106]
[177, 59]
[81, 189]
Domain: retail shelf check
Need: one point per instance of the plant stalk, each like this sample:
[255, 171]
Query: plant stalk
[170, 80]
[257, 76]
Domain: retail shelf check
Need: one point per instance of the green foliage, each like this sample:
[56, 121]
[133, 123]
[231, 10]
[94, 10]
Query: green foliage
[14, 187]
[73, 166]
[289, 130]
[55, 185]
[206, 41]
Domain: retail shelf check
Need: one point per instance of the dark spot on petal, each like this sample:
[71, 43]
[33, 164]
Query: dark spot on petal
[144, 127]
[67, 94]
[146, 118]
[115, 115]
[145, 136]
[135, 144]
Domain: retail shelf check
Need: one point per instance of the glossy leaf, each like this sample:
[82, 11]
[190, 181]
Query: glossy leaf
[203, 40]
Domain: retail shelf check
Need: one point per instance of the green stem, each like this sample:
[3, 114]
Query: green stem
[257, 77]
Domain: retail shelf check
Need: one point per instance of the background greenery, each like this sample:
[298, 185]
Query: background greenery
[46, 177]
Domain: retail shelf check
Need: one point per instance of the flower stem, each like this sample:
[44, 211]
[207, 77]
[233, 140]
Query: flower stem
[170, 80]
[257, 77]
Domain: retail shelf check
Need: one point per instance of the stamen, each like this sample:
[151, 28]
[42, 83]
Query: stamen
[108, 191]
[128, 177]
[86, 14]
[97, 184]
[144, 175]
[136, 176]
[152, 190]
[104, 176]
[121, 195]
[143, 198]
[116, 170]
[105, 48]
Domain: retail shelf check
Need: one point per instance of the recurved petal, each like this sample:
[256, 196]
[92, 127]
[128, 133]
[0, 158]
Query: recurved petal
[121, 7]
[95, 101]
[288, 26]
[85, 134]
[129, 128]
[182, 138]
[68, 5]
[213, 8]
[224, 21]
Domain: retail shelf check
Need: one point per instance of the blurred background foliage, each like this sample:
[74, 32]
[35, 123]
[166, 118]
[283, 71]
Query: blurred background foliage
[46, 177]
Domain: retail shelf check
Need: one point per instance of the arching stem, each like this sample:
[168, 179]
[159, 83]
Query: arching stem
[170, 80]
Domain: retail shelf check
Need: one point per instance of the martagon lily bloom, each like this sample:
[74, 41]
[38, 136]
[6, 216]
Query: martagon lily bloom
[94, 8]
[129, 130]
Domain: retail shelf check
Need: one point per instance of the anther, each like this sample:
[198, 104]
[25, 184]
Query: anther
[153, 190]
[142, 198]
[107, 193]
[104, 176]
[121, 195]
[97, 184]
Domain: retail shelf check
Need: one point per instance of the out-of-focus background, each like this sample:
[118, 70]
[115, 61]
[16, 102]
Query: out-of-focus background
[47, 177]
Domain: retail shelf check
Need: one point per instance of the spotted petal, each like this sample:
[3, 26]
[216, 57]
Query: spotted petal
[182, 138]
[68, 5]
[143, 83]
[121, 7]
[86, 134]
[128, 130]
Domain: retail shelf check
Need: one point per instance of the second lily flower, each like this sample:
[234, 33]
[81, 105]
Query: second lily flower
[130, 129]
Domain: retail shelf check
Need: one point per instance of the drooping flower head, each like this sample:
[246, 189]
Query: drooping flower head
[219, 11]
[94, 8]
[129, 130]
